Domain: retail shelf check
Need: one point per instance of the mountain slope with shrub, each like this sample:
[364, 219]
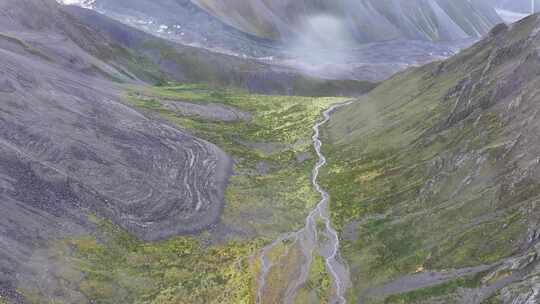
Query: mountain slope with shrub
[435, 177]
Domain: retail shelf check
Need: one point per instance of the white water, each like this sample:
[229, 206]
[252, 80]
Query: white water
[308, 239]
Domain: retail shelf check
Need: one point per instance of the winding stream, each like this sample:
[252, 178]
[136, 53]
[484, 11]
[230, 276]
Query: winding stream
[310, 239]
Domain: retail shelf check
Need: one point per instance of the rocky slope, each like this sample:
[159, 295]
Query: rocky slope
[434, 178]
[70, 149]
[367, 20]
[182, 21]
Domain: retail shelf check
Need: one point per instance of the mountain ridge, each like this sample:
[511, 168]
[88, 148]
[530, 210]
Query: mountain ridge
[367, 21]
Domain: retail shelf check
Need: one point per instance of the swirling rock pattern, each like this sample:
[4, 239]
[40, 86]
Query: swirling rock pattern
[147, 176]
[69, 148]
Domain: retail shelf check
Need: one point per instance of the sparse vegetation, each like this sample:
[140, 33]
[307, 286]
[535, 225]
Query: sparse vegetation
[121, 269]
[319, 285]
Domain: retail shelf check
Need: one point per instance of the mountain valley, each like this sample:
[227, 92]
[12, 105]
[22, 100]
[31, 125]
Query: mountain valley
[177, 151]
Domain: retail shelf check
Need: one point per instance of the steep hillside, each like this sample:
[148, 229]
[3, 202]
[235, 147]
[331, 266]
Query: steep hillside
[434, 178]
[181, 20]
[71, 151]
[367, 20]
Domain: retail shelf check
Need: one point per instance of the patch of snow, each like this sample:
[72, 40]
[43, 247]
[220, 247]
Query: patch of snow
[162, 28]
[83, 3]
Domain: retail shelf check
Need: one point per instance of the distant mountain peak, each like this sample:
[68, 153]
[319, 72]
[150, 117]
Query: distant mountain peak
[369, 20]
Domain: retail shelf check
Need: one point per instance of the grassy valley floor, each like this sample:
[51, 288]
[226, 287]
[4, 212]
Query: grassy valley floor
[269, 138]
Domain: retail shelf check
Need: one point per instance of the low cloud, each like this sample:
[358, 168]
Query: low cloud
[321, 39]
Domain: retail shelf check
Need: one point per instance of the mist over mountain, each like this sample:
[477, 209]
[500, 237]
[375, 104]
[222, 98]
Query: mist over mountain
[254, 26]
[367, 20]
[324, 40]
